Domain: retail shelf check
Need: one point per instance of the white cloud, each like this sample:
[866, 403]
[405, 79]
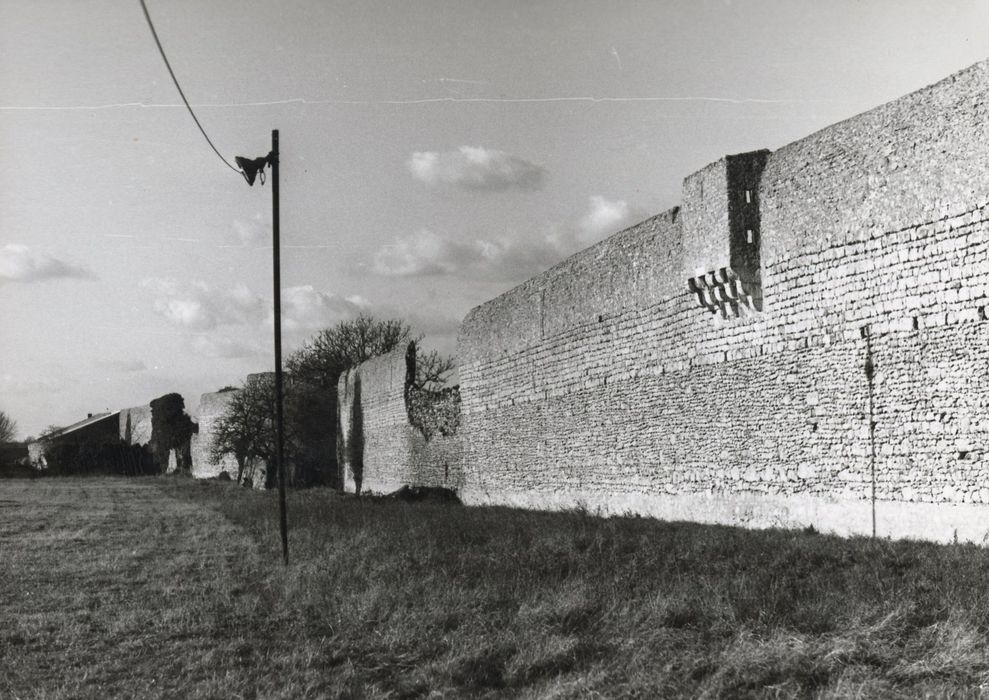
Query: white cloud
[198, 307]
[224, 347]
[475, 168]
[306, 309]
[507, 258]
[424, 253]
[234, 322]
[253, 232]
[19, 263]
[604, 217]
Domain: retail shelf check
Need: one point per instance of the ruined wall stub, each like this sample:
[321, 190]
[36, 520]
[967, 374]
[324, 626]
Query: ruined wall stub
[212, 407]
[379, 447]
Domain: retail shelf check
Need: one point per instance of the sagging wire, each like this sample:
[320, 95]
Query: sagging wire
[182, 94]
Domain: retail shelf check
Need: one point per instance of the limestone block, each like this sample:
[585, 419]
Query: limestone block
[807, 470]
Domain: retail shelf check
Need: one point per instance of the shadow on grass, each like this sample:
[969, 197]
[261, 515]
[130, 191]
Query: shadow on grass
[426, 596]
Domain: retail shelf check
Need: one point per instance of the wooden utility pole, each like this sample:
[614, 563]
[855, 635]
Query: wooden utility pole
[251, 169]
[279, 390]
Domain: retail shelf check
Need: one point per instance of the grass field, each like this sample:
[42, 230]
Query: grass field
[174, 588]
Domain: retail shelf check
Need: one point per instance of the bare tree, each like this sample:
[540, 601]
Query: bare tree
[317, 367]
[432, 370]
[334, 350]
[50, 431]
[8, 428]
[247, 429]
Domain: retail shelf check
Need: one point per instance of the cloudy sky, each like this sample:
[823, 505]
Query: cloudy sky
[434, 154]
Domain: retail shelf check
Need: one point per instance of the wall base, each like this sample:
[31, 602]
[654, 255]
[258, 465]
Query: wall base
[940, 522]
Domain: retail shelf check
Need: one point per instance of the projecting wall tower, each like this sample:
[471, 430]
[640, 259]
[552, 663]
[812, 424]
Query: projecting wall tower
[721, 236]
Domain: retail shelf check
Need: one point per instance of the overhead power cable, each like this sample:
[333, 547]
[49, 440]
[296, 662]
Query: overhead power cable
[179, 88]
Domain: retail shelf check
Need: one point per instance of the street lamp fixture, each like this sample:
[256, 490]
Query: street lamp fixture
[250, 169]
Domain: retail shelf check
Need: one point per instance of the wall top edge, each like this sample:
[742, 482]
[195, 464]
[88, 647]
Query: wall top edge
[538, 282]
[668, 217]
[724, 160]
[908, 98]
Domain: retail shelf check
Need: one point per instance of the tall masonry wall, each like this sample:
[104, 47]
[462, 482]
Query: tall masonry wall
[379, 448]
[859, 394]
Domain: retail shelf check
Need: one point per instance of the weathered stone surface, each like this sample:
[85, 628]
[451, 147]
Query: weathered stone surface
[135, 425]
[211, 408]
[380, 449]
[603, 381]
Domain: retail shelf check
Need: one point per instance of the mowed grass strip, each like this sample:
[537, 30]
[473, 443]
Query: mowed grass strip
[388, 599]
[111, 588]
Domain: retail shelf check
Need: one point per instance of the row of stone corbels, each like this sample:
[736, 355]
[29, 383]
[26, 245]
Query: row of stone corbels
[722, 292]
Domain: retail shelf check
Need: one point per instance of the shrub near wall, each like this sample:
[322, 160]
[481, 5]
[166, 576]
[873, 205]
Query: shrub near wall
[92, 459]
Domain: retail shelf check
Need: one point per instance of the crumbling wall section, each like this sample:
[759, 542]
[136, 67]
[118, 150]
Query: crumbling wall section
[379, 446]
[212, 407]
[874, 244]
[171, 434]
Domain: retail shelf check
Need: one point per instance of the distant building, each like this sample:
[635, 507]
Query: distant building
[13, 457]
[95, 445]
[96, 430]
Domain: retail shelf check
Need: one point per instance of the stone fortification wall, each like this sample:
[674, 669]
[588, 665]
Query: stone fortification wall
[211, 409]
[625, 394]
[919, 158]
[378, 447]
[633, 270]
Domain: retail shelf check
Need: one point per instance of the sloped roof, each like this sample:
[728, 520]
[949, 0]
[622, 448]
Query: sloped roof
[95, 418]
